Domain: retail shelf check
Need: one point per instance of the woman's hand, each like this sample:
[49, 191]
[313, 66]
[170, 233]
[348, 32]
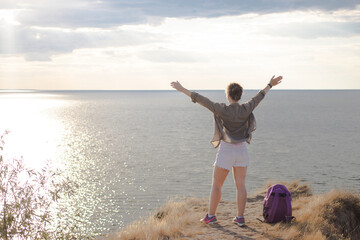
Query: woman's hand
[275, 81]
[177, 86]
[180, 88]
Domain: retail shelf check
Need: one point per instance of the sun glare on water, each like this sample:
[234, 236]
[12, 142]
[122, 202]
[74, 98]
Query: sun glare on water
[34, 132]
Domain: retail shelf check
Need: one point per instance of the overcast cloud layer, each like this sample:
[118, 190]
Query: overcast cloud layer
[107, 13]
[45, 28]
[143, 41]
[40, 43]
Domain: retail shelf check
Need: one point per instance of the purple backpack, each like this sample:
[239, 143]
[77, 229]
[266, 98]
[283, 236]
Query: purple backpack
[277, 205]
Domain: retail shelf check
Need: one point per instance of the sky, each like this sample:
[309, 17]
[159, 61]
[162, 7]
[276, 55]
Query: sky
[204, 44]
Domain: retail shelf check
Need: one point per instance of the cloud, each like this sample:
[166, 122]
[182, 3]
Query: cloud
[41, 43]
[92, 16]
[308, 30]
[109, 13]
[169, 56]
[46, 28]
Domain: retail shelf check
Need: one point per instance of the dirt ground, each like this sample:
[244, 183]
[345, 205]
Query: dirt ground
[226, 229]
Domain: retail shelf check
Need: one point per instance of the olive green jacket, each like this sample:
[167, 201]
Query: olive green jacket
[234, 123]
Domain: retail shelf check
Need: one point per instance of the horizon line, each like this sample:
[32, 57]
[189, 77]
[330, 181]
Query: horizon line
[144, 90]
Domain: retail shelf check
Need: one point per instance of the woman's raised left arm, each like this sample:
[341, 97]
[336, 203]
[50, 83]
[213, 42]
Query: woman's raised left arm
[216, 108]
[180, 88]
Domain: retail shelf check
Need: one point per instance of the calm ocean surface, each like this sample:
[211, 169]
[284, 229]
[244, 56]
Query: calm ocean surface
[132, 150]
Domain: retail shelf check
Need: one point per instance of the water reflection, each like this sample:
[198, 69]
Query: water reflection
[35, 132]
[43, 128]
[66, 131]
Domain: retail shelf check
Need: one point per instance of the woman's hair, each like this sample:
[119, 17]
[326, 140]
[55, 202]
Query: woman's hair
[234, 90]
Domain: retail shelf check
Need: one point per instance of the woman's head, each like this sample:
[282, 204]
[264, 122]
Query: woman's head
[234, 91]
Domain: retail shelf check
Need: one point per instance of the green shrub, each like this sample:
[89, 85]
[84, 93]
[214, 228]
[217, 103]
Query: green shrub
[29, 201]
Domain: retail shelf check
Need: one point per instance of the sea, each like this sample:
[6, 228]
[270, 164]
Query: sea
[132, 151]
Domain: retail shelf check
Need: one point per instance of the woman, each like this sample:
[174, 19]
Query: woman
[234, 124]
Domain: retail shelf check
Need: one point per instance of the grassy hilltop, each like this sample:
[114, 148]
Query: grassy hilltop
[333, 215]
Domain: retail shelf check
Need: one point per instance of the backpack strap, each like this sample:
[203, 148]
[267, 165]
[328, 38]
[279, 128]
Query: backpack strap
[268, 194]
[273, 207]
[289, 210]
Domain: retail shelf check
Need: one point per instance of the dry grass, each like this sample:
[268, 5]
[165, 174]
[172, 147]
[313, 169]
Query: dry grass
[295, 187]
[170, 221]
[334, 215]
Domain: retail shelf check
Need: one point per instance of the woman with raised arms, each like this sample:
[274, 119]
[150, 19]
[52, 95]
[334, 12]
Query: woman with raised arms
[234, 124]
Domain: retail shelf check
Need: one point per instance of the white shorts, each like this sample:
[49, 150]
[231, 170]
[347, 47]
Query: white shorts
[232, 155]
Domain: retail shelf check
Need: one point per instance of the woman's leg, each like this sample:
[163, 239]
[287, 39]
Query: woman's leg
[219, 177]
[241, 195]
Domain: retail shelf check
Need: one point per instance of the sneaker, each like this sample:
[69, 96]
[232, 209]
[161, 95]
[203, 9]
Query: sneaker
[239, 221]
[209, 220]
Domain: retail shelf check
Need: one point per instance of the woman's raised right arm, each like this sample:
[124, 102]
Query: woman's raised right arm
[273, 82]
[253, 102]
